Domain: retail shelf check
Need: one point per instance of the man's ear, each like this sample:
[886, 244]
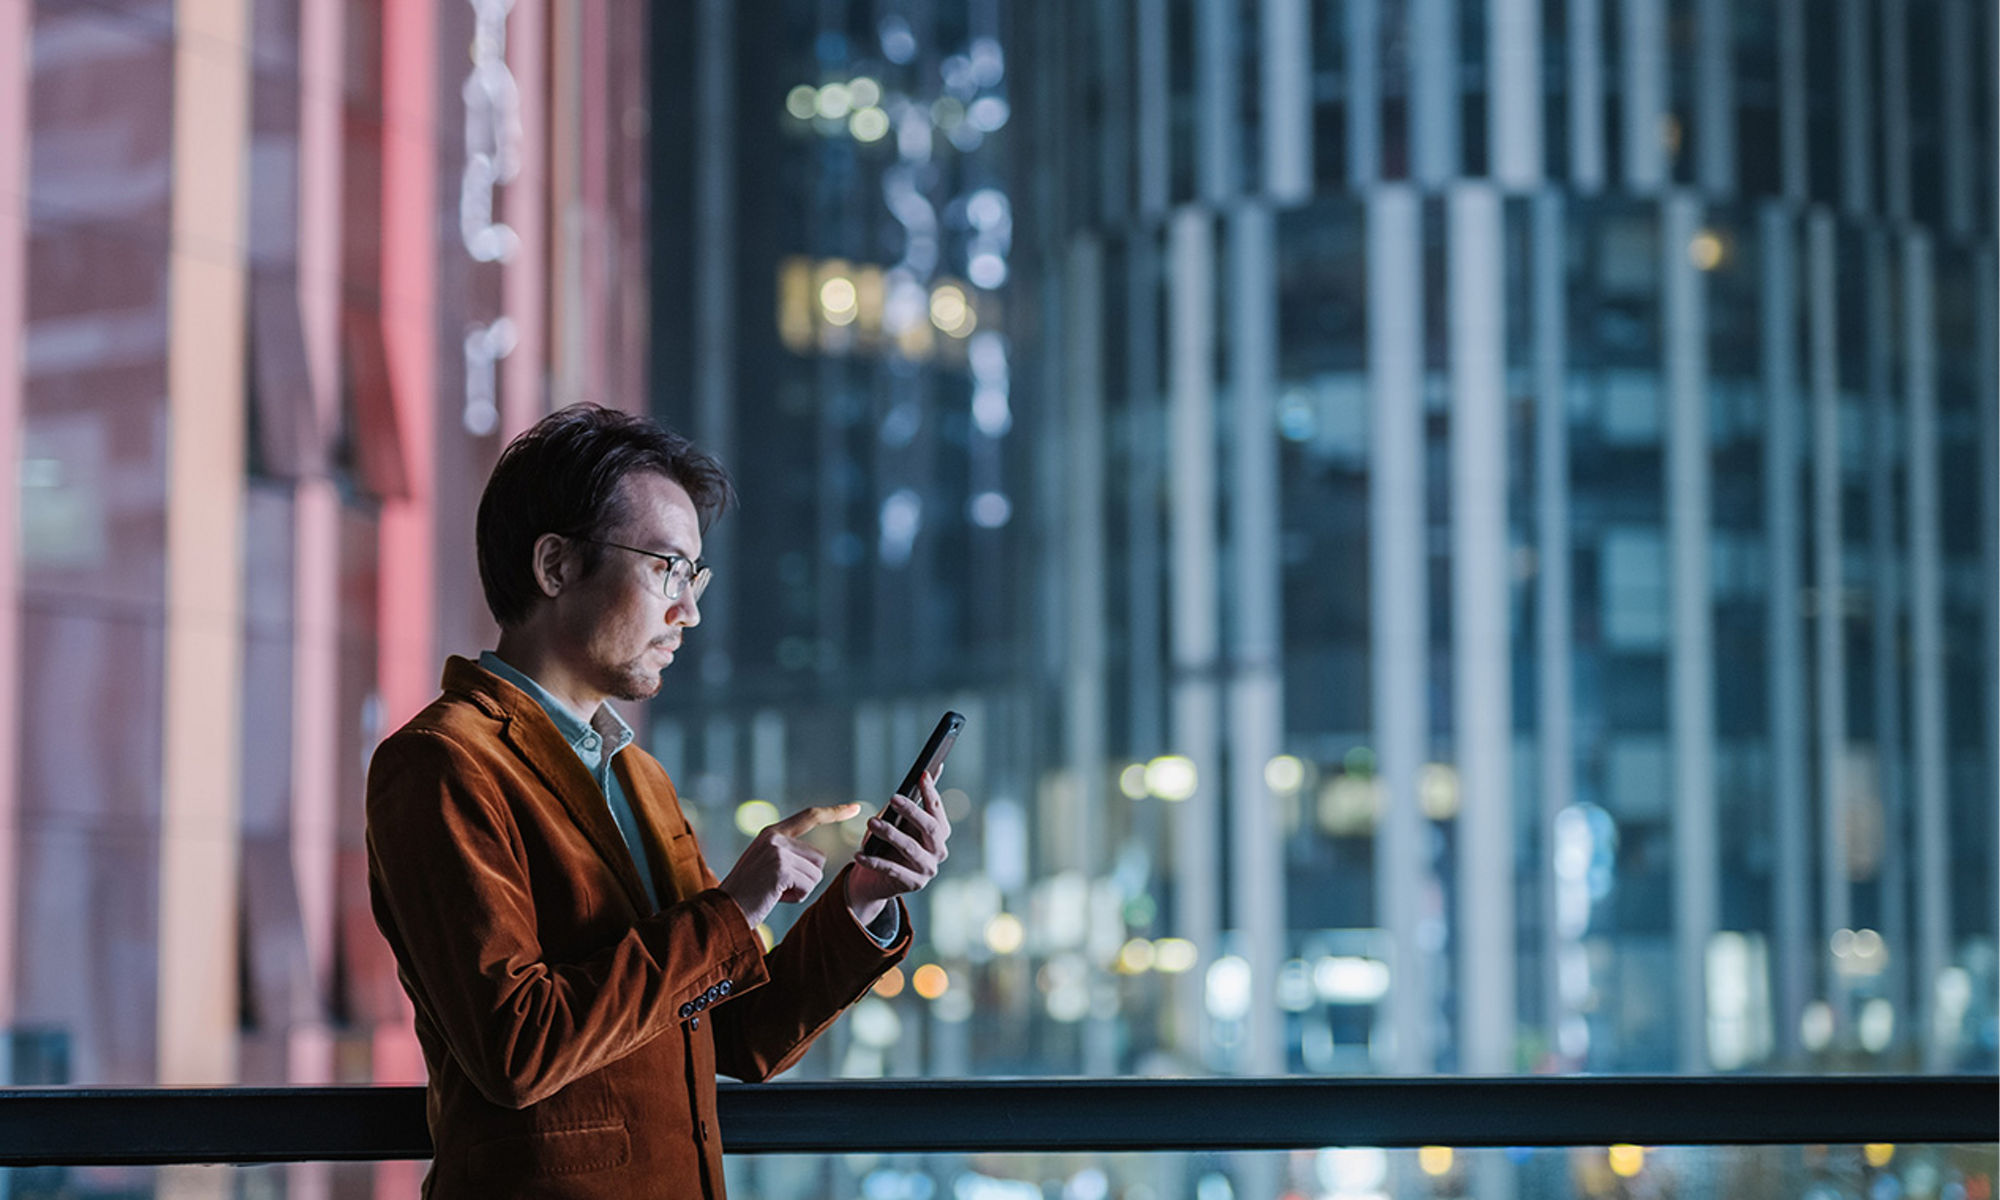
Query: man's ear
[551, 563]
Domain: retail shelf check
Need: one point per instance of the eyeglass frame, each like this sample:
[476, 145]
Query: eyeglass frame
[698, 571]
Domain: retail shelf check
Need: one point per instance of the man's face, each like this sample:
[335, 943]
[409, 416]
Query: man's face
[619, 631]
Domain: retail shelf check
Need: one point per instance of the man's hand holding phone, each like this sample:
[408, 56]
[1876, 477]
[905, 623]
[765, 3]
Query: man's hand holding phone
[901, 854]
[779, 864]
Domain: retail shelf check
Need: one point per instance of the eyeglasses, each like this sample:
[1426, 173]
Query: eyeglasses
[680, 576]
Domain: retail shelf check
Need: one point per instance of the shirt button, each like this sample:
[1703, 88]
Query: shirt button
[687, 1010]
[695, 1023]
[724, 985]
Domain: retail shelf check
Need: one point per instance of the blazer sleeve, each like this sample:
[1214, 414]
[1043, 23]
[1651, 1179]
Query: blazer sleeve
[448, 874]
[825, 963]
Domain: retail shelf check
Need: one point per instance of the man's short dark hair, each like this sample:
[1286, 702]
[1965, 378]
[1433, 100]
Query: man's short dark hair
[562, 477]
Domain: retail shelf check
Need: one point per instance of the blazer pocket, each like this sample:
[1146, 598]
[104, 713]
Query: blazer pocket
[575, 1150]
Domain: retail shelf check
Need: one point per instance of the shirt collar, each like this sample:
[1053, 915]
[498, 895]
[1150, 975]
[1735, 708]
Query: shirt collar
[605, 724]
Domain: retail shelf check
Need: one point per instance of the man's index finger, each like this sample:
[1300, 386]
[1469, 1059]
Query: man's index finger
[808, 819]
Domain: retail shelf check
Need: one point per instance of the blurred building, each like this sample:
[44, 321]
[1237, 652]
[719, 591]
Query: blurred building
[1466, 532]
[277, 279]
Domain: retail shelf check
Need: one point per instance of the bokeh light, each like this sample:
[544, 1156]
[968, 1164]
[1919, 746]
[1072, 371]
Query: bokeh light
[930, 981]
[753, 815]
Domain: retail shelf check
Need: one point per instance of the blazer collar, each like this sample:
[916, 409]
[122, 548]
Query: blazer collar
[526, 729]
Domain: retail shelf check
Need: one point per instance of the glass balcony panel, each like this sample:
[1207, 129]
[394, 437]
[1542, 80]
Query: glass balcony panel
[1873, 1172]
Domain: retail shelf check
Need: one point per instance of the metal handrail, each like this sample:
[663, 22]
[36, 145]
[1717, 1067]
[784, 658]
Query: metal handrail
[88, 1126]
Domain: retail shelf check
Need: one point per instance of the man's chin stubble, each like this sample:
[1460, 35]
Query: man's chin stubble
[639, 684]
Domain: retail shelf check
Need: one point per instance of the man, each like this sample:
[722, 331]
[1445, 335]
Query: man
[579, 974]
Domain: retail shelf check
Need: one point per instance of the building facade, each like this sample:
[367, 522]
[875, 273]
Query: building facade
[1488, 561]
[277, 279]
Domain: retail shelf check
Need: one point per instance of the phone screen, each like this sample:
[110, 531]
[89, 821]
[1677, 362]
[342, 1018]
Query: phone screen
[929, 762]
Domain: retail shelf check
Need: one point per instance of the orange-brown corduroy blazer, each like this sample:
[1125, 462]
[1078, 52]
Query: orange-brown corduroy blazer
[573, 1034]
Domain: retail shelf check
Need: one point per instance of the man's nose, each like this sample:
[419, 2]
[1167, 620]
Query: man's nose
[684, 611]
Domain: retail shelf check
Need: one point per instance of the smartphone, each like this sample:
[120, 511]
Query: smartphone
[929, 762]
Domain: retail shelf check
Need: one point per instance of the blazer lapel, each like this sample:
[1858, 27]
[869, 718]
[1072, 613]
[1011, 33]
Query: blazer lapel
[564, 774]
[650, 799]
[530, 734]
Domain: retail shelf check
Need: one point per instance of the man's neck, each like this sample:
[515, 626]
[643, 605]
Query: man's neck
[532, 657]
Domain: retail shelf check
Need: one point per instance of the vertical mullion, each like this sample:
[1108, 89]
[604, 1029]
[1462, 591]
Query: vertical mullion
[1857, 174]
[1885, 612]
[1256, 709]
[1792, 142]
[1287, 109]
[1514, 35]
[1217, 113]
[1896, 111]
[1434, 93]
[1554, 725]
[1715, 100]
[1830, 643]
[1481, 647]
[1398, 607]
[1691, 667]
[1927, 668]
[1154, 104]
[1364, 93]
[1791, 871]
[1195, 625]
[202, 706]
[1643, 50]
[1585, 28]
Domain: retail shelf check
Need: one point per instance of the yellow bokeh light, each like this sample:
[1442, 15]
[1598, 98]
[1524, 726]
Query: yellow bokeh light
[1705, 251]
[795, 301]
[1878, 1154]
[868, 124]
[1435, 1160]
[1285, 773]
[1135, 957]
[834, 102]
[1626, 1160]
[950, 312]
[868, 286]
[753, 815]
[1132, 781]
[1437, 791]
[931, 981]
[864, 92]
[1348, 805]
[802, 101]
[1004, 933]
[890, 985]
[1174, 956]
[1172, 777]
[836, 299]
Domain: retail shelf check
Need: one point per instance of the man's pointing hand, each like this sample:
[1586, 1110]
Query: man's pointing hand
[778, 865]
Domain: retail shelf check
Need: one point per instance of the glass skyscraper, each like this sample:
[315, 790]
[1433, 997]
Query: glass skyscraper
[1466, 532]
